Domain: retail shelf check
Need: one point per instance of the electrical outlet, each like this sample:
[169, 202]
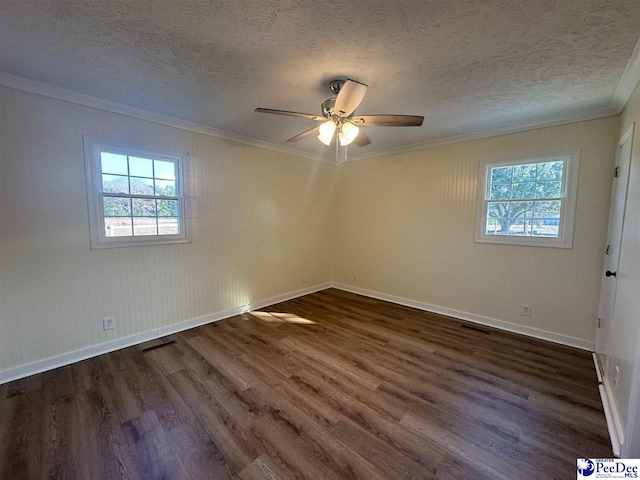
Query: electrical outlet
[303, 278]
[355, 277]
[617, 377]
[108, 323]
[526, 310]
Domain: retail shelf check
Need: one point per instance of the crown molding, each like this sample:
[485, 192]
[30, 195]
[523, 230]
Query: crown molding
[623, 92]
[494, 132]
[52, 91]
[628, 81]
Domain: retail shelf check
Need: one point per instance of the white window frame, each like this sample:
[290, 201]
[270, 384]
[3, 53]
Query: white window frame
[568, 197]
[93, 169]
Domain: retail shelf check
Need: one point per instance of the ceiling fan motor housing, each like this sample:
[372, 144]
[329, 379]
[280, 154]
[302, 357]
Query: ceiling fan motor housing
[327, 107]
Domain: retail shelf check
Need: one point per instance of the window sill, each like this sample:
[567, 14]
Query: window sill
[140, 242]
[526, 241]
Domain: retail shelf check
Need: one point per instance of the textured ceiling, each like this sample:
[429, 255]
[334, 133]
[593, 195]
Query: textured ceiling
[467, 66]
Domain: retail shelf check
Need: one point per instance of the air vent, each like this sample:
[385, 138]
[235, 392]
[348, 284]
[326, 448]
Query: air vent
[155, 347]
[475, 329]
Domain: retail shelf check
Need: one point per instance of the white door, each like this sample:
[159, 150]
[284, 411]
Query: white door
[612, 251]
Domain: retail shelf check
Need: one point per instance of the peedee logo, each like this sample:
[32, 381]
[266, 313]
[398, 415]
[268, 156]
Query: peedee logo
[586, 467]
[608, 468]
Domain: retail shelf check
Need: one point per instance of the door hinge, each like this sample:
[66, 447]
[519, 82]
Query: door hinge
[599, 323]
[607, 250]
[616, 172]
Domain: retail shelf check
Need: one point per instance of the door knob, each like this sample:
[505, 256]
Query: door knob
[609, 273]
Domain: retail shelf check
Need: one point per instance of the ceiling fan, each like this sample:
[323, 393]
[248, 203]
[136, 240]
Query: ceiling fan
[339, 120]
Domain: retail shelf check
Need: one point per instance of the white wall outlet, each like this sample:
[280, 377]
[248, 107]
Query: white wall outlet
[526, 310]
[303, 279]
[108, 323]
[616, 377]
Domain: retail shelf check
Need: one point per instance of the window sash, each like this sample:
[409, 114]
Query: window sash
[95, 194]
[567, 200]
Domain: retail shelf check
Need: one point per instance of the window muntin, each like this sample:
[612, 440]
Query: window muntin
[136, 196]
[529, 201]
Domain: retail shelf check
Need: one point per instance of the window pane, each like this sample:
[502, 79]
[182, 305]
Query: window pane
[113, 163]
[524, 190]
[524, 173]
[115, 184]
[500, 192]
[142, 207]
[165, 170]
[168, 208]
[520, 219]
[497, 226]
[549, 190]
[498, 209]
[548, 209]
[116, 207]
[550, 170]
[546, 227]
[140, 167]
[117, 226]
[520, 210]
[501, 175]
[168, 226]
[144, 226]
[141, 186]
[166, 188]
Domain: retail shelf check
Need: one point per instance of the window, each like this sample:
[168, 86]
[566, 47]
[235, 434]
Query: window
[529, 201]
[135, 195]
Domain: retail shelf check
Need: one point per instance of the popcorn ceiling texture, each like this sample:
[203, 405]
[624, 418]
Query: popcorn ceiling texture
[466, 65]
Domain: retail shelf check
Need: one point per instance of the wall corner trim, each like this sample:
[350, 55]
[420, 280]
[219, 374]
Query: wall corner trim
[68, 358]
[472, 317]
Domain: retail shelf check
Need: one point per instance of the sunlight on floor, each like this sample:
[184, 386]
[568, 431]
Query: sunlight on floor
[275, 317]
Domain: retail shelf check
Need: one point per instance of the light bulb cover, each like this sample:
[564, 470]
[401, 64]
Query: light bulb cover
[324, 140]
[348, 133]
[327, 130]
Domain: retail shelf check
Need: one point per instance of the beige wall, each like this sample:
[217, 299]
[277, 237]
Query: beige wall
[404, 224]
[625, 327]
[260, 220]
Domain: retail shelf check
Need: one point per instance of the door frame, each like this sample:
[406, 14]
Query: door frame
[631, 446]
[602, 366]
[617, 431]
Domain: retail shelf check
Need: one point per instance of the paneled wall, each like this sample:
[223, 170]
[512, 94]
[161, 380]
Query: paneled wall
[400, 225]
[259, 221]
[404, 227]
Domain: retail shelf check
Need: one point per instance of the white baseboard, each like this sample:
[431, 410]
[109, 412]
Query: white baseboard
[472, 317]
[95, 350]
[609, 413]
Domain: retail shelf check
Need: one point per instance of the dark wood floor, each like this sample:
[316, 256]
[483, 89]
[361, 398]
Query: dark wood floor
[327, 386]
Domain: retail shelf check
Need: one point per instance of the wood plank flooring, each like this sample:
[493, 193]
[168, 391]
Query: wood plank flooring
[327, 386]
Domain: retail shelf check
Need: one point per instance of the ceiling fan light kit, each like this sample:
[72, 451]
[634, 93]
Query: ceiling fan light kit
[348, 133]
[327, 129]
[337, 117]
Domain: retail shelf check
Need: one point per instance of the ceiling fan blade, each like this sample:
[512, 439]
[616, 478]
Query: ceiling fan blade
[291, 114]
[349, 97]
[389, 120]
[361, 139]
[305, 134]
